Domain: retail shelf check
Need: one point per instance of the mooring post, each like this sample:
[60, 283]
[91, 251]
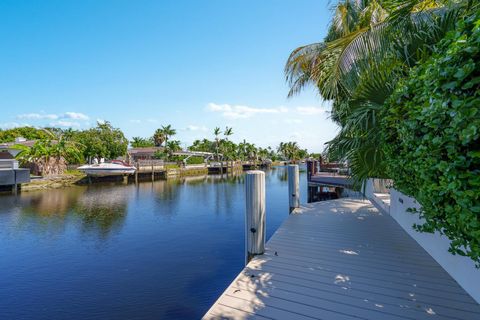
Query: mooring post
[255, 214]
[136, 173]
[293, 187]
[153, 172]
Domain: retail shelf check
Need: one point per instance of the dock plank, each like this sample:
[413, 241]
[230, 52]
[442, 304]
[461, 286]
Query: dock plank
[343, 259]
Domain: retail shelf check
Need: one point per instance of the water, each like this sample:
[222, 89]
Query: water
[162, 250]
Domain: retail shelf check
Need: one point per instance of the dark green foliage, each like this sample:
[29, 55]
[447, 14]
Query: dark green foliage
[139, 142]
[101, 141]
[29, 133]
[195, 160]
[432, 132]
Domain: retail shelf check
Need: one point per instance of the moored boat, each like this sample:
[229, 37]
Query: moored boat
[112, 168]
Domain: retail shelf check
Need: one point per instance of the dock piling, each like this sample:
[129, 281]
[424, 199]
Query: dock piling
[136, 172]
[293, 187]
[255, 214]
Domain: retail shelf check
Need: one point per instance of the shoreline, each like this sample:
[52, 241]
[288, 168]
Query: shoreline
[75, 177]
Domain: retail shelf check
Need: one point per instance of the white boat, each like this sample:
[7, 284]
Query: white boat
[112, 168]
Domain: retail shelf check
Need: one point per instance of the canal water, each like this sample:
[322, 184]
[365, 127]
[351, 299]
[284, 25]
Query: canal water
[161, 250]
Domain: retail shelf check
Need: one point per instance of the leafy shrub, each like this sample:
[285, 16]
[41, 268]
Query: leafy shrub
[195, 160]
[432, 129]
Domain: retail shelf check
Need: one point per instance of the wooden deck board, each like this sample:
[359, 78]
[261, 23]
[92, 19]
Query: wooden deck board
[343, 259]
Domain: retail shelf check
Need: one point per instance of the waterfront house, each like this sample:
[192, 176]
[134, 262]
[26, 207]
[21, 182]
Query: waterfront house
[144, 153]
[8, 151]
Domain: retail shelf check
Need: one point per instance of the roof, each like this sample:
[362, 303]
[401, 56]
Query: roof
[7, 145]
[146, 150]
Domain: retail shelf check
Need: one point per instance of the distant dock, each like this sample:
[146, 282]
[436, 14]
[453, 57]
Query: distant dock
[343, 259]
[11, 175]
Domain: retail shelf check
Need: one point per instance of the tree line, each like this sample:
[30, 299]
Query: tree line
[55, 147]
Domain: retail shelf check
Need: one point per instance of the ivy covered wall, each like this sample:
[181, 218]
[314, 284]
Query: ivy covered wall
[431, 130]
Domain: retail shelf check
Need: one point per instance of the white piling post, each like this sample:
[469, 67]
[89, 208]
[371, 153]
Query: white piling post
[293, 187]
[255, 214]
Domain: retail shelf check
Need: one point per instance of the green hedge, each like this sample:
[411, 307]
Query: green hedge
[431, 129]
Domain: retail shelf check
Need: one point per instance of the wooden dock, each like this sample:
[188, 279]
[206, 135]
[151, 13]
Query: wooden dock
[330, 179]
[343, 259]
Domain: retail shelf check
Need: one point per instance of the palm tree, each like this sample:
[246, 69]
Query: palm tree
[168, 131]
[217, 132]
[172, 146]
[49, 156]
[158, 137]
[227, 150]
[228, 132]
[139, 142]
[369, 46]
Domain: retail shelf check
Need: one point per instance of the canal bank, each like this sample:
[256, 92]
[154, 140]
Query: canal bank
[75, 177]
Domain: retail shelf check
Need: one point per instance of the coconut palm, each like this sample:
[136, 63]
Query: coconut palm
[172, 146]
[369, 46]
[139, 142]
[217, 132]
[158, 137]
[228, 148]
[168, 131]
[49, 156]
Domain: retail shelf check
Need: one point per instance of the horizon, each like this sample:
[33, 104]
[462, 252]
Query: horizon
[195, 66]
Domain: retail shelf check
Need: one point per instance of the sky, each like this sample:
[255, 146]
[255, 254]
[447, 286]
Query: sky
[141, 64]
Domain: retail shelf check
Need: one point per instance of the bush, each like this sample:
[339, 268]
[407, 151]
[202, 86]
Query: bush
[195, 160]
[431, 129]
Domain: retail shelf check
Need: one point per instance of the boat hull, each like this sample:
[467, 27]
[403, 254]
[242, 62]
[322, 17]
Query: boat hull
[107, 169]
[107, 172]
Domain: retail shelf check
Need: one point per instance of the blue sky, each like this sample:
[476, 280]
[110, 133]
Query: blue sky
[142, 64]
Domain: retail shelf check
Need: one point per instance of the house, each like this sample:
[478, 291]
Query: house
[145, 153]
[7, 150]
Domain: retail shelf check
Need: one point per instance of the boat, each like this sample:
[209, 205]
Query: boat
[112, 168]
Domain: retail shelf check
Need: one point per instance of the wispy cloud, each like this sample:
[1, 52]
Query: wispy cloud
[242, 112]
[65, 124]
[306, 111]
[196, 128]
[75, 116]
[10, 125]
[53, 116]
[37, 116]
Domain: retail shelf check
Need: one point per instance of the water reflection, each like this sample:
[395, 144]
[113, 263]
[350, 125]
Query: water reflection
[102, 210]
[125, 250]
[98, 208]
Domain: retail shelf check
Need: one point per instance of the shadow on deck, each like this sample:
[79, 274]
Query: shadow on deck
[343, 259]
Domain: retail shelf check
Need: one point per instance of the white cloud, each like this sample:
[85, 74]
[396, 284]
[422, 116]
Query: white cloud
[242, 112]
[101, 121]
[11, 125]
[66, 124]
[135, 121]
[196, 128]
[152, 120]
[75, 116]
[307, 111]
[37, 116]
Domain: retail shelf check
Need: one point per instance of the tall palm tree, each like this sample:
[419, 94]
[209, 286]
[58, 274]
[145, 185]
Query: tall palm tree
[158, 137]
[217, 132]
[228, 148]
[369, 46]
[168, 131]
[172, 146]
